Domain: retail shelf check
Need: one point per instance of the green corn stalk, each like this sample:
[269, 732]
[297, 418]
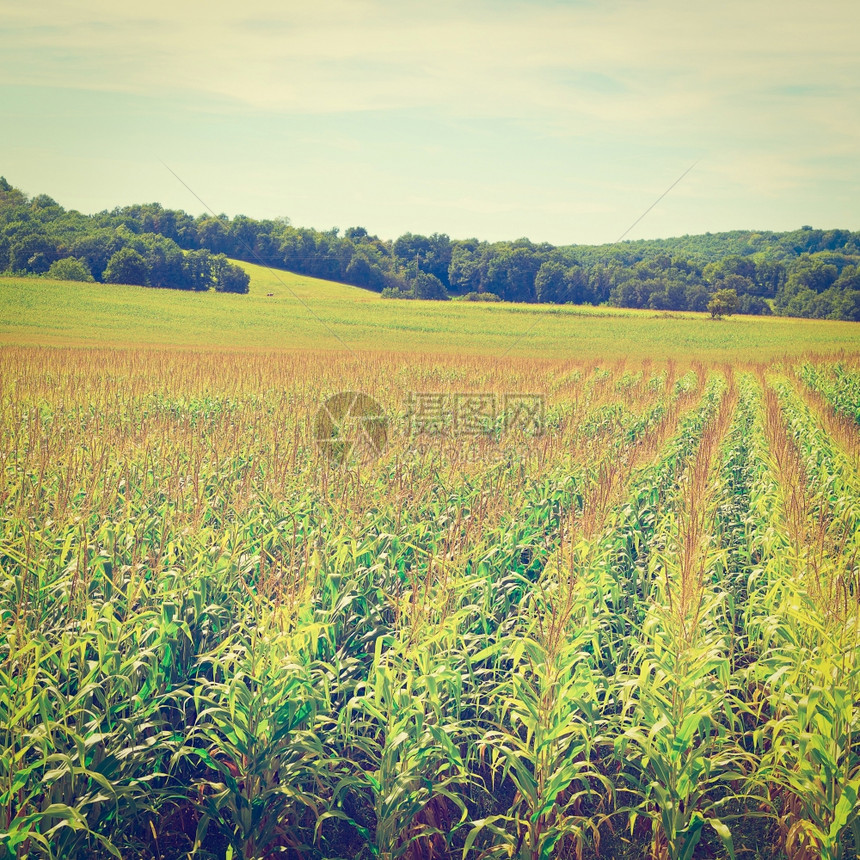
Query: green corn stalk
[256, 734]
[401, 749]
[548, 717]
[678, 739]
[809, 671]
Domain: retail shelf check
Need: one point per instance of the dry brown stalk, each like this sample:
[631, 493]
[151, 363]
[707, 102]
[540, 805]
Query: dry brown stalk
[818, 538]
[841, 428]
[696, 515]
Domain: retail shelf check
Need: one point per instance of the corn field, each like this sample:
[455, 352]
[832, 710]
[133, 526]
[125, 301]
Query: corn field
[631, 631]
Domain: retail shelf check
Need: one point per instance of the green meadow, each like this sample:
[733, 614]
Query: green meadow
[288, 311]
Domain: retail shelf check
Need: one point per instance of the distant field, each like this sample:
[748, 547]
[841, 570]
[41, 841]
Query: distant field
[306, 313]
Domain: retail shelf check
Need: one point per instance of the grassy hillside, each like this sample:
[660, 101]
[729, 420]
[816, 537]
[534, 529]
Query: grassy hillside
[304, 312]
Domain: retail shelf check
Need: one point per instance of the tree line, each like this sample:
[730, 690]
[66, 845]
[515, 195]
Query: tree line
[39, 237]
[806, 272]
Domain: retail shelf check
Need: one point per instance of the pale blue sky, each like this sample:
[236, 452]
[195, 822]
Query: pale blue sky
[560, 121]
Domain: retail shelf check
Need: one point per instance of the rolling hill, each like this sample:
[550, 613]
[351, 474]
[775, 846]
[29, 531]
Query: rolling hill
[287, 311]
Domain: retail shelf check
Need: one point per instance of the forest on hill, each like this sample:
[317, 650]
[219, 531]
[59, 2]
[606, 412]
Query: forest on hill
[40, 237]
[806, 272]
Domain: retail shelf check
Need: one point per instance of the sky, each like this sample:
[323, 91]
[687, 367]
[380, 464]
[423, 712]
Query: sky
[559, 120]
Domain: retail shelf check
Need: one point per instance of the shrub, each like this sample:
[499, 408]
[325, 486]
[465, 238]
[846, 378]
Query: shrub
[426, 286]
[70, 269]
[126, 266]
[396, 293]
[480, 297]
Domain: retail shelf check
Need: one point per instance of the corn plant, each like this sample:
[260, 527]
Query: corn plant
[255, 734]
[837, 384]
[640, 624]
[678, 731]
[400, 738]
[548, 717]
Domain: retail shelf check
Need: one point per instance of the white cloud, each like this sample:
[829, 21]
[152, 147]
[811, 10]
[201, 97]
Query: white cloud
[671, 59]
[765, 92]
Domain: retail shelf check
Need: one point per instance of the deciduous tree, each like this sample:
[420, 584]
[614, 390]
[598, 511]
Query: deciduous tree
[723, 303]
